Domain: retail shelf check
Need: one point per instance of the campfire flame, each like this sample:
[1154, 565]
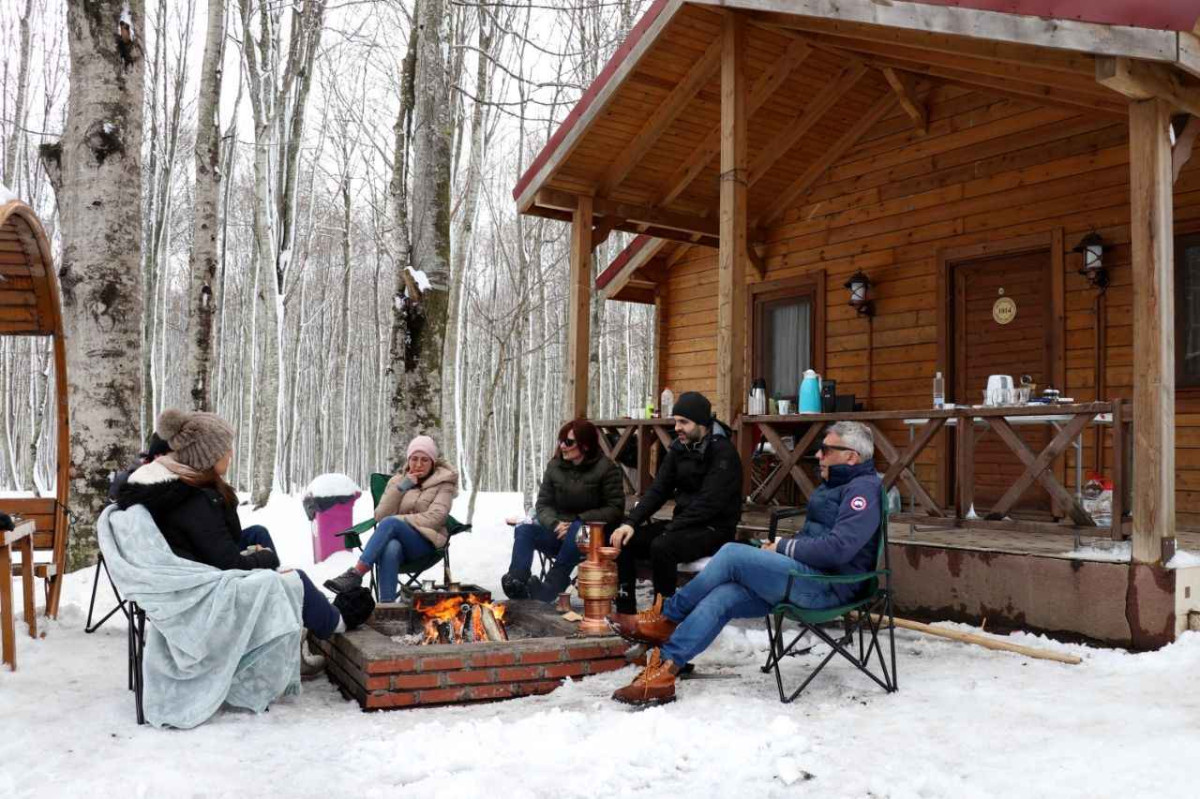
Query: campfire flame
[458, 620]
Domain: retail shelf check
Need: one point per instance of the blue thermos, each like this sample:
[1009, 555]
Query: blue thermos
[810, 392]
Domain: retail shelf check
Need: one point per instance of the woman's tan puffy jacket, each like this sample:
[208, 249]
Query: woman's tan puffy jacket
[425, 506]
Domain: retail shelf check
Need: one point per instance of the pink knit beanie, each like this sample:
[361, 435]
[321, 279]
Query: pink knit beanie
[424, 445]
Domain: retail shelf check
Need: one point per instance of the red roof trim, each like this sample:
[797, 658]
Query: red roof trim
[589, 96]
[623, 257]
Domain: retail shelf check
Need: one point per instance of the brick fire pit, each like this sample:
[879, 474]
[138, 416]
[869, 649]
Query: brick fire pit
[382, 671]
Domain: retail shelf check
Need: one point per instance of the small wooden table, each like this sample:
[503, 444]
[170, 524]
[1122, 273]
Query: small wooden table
[22, 538]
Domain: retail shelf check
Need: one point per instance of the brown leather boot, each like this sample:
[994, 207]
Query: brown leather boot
[654, 686]
[648, 627]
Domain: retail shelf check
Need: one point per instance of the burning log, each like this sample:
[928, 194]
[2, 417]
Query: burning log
[458, 620]
[492, 625]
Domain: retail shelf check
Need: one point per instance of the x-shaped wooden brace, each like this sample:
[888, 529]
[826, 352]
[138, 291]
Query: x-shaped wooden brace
[1037, 468]
[789, 460]
[614, 452]
[901, 463]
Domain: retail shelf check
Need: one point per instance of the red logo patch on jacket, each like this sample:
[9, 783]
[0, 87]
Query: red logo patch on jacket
[859, 503]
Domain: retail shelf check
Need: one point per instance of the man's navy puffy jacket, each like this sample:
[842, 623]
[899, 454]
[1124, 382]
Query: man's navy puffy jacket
[841, 528]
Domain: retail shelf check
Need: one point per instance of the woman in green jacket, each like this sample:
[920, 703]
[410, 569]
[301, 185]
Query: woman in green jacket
[580, 485]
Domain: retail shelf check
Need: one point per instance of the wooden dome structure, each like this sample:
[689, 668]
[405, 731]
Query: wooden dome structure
[29, 306]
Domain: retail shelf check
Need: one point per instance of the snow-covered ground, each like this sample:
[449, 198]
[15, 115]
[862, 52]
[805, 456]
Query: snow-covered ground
[967, 722]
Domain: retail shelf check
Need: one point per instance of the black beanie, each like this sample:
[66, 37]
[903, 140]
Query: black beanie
[694, 406]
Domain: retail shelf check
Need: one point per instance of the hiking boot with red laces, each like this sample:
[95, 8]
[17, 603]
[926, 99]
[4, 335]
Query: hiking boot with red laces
[648, 627]
[655, 685]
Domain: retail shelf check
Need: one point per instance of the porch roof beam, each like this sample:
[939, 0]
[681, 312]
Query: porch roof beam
[906, 94]
[1139, 80]
[1061, 34]
[629, 214]
[799, 125]
[710, 146]
[667, 112]
[858, 35]
[1008, 85]
[818, 167]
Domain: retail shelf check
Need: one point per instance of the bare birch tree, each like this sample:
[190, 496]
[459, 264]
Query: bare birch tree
[96, 172]
[204, 256]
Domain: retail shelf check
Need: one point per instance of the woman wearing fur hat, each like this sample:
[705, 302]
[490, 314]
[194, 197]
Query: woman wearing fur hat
[412, 517]
[196, 511]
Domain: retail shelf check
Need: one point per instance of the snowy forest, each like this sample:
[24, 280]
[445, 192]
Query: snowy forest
[322, 246]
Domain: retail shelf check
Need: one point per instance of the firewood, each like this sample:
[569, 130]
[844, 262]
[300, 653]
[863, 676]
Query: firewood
[492, 626]
[477, 631]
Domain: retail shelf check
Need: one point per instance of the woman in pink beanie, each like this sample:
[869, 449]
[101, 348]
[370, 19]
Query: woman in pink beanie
[412, 517]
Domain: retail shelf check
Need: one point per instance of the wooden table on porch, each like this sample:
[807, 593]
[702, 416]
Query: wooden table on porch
[21, 536]
[1071, 420]
[643, 433]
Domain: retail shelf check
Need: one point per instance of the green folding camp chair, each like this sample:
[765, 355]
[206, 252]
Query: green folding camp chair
[410, 571]
[864, 618]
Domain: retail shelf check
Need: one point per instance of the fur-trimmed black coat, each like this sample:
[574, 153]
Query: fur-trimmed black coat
[198, 523]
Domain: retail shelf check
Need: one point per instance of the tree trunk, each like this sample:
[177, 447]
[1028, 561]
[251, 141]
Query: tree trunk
[204, 256]
[17, 137]
[97, 175]
[432, 136]
[405, 286]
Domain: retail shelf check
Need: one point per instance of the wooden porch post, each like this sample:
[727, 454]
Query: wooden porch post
[1153, 329]
[578, 319]
[731, 270]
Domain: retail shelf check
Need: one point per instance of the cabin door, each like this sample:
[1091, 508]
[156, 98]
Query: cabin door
[1001, 316]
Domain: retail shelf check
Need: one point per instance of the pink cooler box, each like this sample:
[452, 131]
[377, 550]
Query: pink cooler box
[327, 524]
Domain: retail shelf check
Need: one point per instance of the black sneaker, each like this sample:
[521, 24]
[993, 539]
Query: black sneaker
[346, 581]
[355, 605]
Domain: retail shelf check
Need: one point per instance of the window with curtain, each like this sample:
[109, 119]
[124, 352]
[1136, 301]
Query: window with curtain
[783, 341]
[1187, 311]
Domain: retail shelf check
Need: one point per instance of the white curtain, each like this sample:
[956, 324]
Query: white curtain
[788, 332]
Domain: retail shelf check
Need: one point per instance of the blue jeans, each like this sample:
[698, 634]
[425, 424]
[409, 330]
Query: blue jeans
[740, 582]
[393, 543]
[319, 615]
[530, 537]
[257, 534]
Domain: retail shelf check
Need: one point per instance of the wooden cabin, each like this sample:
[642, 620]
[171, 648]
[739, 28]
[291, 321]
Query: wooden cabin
[1015, 193]
[29, 306]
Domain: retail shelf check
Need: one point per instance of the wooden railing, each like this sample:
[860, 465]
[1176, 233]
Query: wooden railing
[1068, 422]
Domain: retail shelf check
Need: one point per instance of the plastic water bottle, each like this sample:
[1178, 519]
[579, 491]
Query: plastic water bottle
[939, 392]
[666, 403]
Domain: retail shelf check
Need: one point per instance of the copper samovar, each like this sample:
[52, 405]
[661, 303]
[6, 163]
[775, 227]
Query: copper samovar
[597, 581]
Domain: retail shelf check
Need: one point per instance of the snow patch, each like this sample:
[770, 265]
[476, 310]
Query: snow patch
[332, 485]
[127, 21]
[1117, 552]
[1183, 559]
[421, 278]
[6, 195]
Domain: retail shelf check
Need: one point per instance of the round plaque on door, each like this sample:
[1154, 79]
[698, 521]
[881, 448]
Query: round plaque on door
[1004, 310]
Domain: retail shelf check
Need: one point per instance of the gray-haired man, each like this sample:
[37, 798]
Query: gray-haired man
[840, 536]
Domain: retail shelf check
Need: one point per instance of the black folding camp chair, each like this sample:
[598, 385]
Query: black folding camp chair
[864, 619]
[410, 571]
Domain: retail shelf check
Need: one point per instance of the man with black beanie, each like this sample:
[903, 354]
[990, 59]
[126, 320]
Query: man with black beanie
[703, 474]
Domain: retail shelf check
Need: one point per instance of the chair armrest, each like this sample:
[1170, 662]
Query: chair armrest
[840, 578]
[351, 539]
[781, 513]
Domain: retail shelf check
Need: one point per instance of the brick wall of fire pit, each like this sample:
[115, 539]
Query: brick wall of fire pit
[381, 669]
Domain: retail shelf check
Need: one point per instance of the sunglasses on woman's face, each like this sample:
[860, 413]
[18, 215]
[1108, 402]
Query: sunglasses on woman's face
[825, 449]
[567, 443]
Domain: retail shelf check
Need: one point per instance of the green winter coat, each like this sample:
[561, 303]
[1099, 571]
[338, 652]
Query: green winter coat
[592, 491]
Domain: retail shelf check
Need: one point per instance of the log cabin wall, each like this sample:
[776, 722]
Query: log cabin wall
[990, 170]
